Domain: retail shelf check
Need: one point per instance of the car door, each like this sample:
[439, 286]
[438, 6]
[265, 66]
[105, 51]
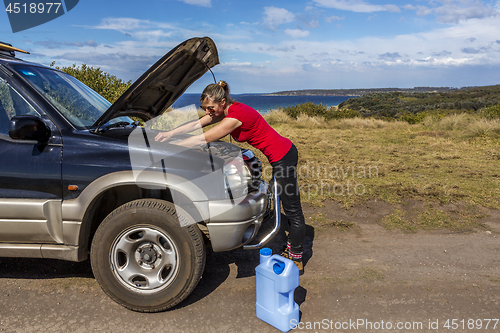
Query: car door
[30, 176]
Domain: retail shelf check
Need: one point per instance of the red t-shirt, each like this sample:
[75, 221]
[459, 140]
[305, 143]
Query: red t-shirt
[257, 132]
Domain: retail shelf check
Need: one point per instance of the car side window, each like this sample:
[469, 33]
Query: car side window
[11, 104]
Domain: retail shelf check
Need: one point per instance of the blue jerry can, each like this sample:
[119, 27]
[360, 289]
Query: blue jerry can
[276, 280]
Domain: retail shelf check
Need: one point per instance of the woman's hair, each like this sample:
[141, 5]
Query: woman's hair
[217, 92]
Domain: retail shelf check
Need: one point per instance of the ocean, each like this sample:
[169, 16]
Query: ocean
[263, 103]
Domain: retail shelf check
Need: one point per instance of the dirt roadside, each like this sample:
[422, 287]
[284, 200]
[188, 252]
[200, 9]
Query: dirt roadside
[365, 279]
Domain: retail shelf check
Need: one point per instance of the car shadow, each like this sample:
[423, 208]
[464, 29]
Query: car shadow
[35, 268]
[217, 267]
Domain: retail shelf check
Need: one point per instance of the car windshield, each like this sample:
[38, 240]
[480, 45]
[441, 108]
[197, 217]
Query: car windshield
[81, 105]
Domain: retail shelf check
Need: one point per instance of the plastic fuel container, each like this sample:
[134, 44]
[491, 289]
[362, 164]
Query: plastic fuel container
[276, 280]
[265, 254]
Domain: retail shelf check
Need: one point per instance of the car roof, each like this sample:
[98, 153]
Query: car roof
[8, 56]
[5, 59]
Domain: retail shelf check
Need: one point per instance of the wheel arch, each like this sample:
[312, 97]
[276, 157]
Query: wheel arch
[111, 191]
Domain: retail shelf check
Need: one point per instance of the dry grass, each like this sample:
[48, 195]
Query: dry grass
[465, 125]
[305, 121]
[430, 217]
[437, 162]
[362, 123]
[320, 221]
[352, 160]
[450, 123]
[484, 128]
[278, 117]
[454, 159]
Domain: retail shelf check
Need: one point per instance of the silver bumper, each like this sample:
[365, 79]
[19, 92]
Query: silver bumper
[276, 219]
[240, 224]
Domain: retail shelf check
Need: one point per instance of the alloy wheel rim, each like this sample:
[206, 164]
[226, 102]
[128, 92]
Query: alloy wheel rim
[144, 259]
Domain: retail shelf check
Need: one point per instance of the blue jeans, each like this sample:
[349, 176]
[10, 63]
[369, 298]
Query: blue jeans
[285, 172]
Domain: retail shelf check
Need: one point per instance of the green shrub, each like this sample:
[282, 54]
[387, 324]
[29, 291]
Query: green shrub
[390, 104]
[107, 85]
[309, 109]
[413, 118]
[319, 110]
[344, 113]
[416, 118]
[491, 112]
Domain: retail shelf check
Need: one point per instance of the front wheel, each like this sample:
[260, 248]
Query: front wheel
[143, 259]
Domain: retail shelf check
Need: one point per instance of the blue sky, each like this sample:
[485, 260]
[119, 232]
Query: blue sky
[267, 46]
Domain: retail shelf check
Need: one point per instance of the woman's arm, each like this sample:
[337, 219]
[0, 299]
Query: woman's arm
[226, 126]
[187, 127]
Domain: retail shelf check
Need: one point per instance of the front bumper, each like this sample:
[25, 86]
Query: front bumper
[236, 225]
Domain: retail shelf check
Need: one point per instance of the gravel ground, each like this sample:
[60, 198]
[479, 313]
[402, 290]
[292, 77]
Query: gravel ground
[366, 279]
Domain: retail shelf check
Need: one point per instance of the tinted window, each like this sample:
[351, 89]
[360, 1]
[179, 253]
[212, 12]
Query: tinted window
[11, 104]
[81, 105]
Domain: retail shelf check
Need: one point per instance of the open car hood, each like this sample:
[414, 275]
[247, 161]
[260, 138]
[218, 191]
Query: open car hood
[161, 85]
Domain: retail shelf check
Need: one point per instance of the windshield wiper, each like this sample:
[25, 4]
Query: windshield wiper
[118, 125]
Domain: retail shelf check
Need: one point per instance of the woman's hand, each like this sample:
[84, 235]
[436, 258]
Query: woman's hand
[163, 136]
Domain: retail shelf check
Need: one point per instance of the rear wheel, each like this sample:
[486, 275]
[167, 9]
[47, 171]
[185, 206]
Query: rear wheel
[142, 257]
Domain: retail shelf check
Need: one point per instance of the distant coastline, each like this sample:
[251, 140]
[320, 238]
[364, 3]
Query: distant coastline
[356, 92]
[265, 102]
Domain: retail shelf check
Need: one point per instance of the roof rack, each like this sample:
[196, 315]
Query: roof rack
[8, 49]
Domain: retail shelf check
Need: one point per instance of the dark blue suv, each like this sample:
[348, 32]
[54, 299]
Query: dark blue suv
[81, 177]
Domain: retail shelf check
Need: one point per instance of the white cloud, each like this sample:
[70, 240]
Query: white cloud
[52, 44]
[331, 19]
[237, 64]
[438, 49]
[248, 23]
[297, 33]
[390, 56]
[273, 17]
[470, 42]
[120, 24]
[423, 10]
[202, 3]
[146, 30]
[312, 24]
[454, 11]
[359, 6]
[311, 67]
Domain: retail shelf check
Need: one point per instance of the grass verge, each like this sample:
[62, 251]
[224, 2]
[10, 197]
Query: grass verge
[436, 161]
[460, 219]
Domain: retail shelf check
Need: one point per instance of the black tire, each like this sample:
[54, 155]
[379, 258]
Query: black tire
[144, 259]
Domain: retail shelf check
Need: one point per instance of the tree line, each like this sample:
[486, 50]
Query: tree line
[409, 105]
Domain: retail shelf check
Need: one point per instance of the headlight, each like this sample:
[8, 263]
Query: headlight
[254, 167]
[236, 178]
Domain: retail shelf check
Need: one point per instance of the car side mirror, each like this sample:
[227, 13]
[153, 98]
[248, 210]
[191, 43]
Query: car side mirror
[29, 128]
